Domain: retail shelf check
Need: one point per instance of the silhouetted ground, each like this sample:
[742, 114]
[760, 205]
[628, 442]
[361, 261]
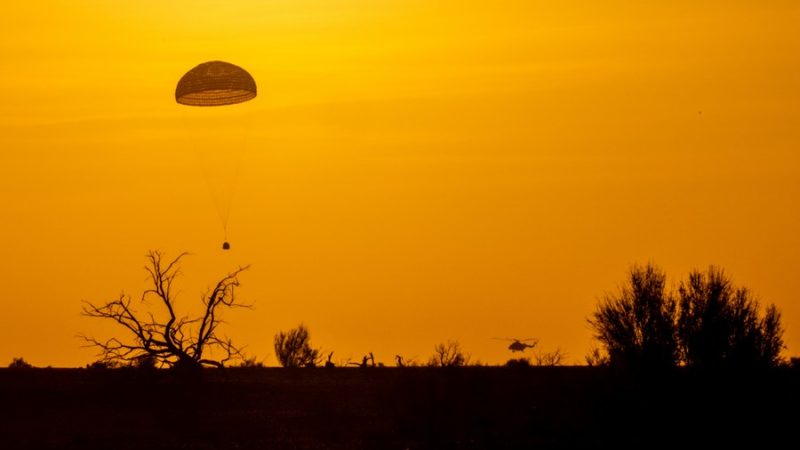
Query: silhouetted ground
[390, 408]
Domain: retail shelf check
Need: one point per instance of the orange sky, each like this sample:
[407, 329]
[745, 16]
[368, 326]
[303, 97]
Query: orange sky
[408, 173]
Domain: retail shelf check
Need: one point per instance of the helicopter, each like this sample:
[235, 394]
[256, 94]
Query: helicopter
[519, 345]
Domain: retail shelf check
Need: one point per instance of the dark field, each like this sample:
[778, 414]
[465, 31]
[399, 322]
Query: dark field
[390, 408]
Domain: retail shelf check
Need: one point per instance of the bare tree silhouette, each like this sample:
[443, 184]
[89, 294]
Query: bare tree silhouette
[448, 354]
[293, 348]
[721, 325]
[637, 324]
[172, 340]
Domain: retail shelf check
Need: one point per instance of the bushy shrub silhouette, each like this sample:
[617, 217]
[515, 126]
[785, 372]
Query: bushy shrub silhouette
[250, 363]
[518, 362]
[596, 358]
[720, 325]
[709, 324]
[636, 325]
[147, 363]
[102, 365]
[19, 364]
[293, 348]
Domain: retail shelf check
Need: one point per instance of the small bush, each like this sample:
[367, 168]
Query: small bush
[250, 363]
[102, 365]
[293, 348]
[518, 362]
[148, 363]
[596, 358]
[19, 363]
[550, 359]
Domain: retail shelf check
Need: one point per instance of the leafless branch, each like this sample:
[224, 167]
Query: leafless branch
[177, 339]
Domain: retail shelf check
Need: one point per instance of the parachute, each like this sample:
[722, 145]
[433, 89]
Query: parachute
[217, 83]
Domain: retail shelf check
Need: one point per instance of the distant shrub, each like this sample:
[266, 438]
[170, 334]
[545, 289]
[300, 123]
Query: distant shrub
[448, 354]
[148, 363]
[19, 363]
[550, 359]
[102, 365]
[518, 362]
[250, 363]
[293, 348]
[596, 358]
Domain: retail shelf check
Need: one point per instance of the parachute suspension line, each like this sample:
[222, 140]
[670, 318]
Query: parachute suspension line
[205, 166]
[239, 158]
[222, 174]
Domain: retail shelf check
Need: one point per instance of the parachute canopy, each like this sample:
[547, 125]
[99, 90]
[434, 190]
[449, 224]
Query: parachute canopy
[215, 83]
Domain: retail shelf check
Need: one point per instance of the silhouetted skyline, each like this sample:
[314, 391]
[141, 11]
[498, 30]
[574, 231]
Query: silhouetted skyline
[409, 173]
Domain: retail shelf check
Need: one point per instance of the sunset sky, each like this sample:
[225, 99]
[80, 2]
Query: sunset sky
[410, 172]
